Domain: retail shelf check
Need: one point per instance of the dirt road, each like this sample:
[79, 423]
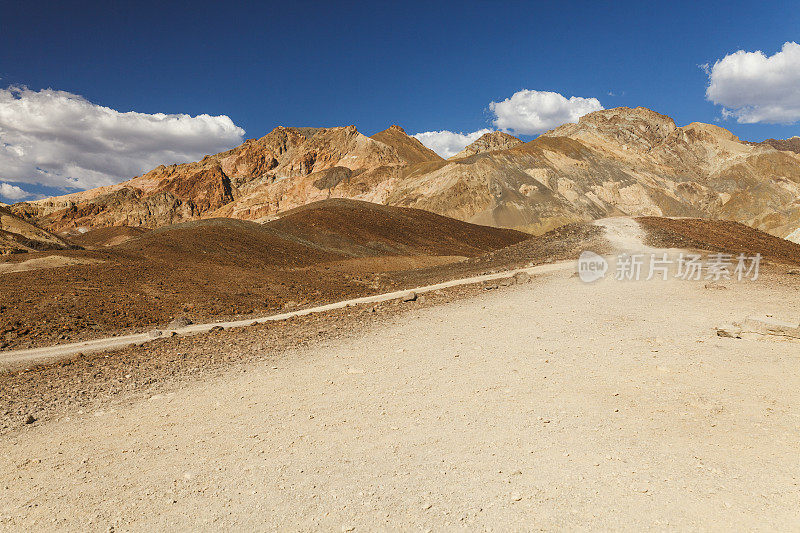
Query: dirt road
[549, 405]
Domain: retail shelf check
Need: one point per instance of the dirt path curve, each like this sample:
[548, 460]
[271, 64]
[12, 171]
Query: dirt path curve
[551, 405]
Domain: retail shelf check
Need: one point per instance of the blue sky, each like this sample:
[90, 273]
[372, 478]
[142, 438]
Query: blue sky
[426, 66]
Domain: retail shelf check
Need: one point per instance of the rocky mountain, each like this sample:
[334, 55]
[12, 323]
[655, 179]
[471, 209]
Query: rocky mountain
[489, 142]
[791, 144]
[615, 161]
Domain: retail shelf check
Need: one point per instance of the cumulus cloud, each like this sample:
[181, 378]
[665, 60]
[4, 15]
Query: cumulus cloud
[526, 112]
[60, 139]
[753, 87]
[532, 112]
[12, 192]
[448, 143]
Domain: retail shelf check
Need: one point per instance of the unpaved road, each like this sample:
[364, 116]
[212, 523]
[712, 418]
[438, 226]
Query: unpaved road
[550, 405]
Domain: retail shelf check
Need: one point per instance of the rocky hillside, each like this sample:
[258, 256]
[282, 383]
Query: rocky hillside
[488, 142]
[791, 144]
[616, 161]
[16, 236]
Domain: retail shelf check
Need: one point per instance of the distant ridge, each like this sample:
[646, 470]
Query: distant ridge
[631, 161]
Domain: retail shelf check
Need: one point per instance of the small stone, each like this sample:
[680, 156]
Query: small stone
[794, 272]
[521, 277]
[516, 496]
[410, 296]
[155, 333]
[217, 328]
[179, 322]
[716, 286]
[29, 419]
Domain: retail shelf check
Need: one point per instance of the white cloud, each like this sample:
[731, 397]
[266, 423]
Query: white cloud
[60, 139]
[525, 113]
[532, 112]
[753, 87]
[12, 192]
[448, 143]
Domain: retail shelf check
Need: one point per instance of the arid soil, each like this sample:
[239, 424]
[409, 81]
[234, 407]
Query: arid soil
[550, 405]
[45, 390]
[227, 268]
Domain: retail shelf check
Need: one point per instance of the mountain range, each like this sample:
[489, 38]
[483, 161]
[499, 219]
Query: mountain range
[619, 161]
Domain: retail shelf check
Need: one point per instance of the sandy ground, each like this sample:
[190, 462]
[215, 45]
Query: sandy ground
[550, 405]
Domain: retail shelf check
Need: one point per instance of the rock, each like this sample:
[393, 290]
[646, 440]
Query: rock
[729, 330]
[522, 277]
[179, 322]
[154, 333]
[794, 272]
[506, 282]
[217, 328]
[29, 419]
[410, 296]
[715, 286]
[768, 325]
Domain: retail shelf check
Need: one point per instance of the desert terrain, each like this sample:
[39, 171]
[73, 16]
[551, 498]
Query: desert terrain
[544, 402]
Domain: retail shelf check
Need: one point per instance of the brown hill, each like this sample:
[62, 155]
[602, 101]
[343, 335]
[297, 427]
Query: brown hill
[102, 237]
[719, 236]
[489, 142]
[616, 161]
[17, 235]
[322, 252]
